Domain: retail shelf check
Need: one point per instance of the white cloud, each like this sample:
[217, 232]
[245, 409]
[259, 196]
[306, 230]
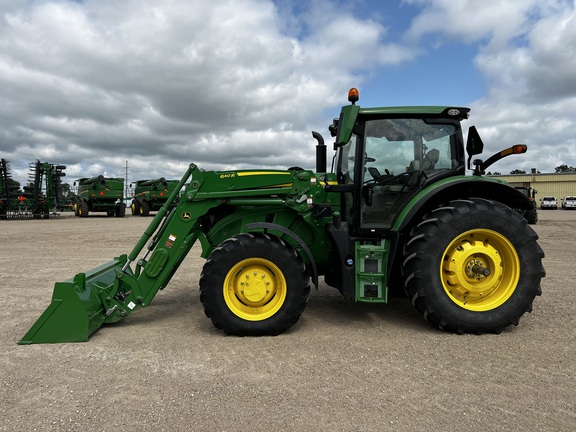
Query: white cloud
[234, 84]
[527, 56]
[495, 21]
[150, 81]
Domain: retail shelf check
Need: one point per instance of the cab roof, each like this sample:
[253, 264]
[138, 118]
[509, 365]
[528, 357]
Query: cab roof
[460, 113]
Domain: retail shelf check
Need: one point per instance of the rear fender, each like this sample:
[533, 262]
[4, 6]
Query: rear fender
[459, 187]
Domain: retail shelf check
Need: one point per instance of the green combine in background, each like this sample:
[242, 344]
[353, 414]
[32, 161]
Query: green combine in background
[150, 195]
[100, 194]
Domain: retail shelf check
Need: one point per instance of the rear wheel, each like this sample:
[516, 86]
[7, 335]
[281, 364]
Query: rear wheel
[254, 285]
[473, 266]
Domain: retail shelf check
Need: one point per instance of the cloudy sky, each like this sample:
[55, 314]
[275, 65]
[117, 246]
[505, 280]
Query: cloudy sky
[235, 84]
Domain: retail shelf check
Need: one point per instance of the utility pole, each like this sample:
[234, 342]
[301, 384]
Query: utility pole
[126, 185]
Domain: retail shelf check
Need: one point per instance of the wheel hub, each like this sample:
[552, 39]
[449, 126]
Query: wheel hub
[480, 270]
[255, 286]
[255, 289]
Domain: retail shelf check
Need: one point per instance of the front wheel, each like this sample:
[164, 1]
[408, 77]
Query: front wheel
[473, 266]
[254, 285]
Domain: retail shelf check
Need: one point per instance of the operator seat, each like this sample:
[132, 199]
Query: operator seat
[414, 166]
[430, 159]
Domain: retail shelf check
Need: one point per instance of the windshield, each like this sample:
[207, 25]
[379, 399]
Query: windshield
[401, 145]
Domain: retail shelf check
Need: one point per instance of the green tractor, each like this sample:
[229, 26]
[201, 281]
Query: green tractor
[150, 195]
[395, 213]
[100, 194]
[530, 215]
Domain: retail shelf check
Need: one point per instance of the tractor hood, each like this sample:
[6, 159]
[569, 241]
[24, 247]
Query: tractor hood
[227, 181]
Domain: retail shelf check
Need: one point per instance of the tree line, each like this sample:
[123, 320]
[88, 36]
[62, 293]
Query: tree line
[559, 169]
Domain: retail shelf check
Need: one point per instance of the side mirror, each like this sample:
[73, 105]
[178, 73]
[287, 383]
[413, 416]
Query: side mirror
[474, 144]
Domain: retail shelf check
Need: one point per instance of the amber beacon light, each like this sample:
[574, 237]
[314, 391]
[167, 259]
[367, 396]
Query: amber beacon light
[353, 95]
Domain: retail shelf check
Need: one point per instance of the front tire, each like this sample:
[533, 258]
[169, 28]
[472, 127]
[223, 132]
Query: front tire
[473, 266]
[254, 285]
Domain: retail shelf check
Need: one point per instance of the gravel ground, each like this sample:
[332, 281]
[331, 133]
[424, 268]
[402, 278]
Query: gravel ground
[343, 367]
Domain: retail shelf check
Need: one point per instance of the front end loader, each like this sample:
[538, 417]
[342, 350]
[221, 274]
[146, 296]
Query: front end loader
[396, 214]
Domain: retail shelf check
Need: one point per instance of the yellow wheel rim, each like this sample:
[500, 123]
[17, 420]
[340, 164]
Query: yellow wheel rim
[480, 270]
[254, 289]
[133, 208]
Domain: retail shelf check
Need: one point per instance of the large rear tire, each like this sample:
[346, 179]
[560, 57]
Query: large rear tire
[254, 285]
[473, 266]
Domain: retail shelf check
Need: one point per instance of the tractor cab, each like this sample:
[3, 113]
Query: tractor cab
[389, 154]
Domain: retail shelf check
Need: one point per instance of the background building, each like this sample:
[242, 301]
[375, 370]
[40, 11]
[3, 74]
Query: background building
[558, 185]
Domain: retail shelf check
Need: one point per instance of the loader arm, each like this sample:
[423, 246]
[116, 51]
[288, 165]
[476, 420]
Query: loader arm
[110, 292]
[106, 294]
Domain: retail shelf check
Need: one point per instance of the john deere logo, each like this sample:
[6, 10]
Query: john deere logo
[186, 215]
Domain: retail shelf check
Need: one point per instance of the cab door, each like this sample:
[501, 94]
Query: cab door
[394, 157]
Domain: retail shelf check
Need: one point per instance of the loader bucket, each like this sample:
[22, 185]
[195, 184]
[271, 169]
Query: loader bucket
[76, 310]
